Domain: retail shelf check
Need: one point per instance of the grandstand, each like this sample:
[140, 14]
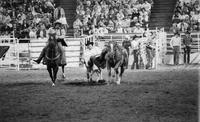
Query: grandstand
[88, 19]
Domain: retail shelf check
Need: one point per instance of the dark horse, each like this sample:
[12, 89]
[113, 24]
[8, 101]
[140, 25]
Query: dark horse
[117, 58]
[52, 56]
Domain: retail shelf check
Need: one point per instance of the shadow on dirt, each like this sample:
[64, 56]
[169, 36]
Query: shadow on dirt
[84, 83]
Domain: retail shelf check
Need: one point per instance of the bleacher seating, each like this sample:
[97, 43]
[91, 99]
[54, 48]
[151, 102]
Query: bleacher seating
[112, 15]
[186, 16]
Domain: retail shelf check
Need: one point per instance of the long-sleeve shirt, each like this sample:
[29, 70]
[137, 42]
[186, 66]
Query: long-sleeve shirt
[135, 45]
[175, 41]
[187, 41]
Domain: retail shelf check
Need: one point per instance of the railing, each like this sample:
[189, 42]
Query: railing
[76, 47]
[12, 55]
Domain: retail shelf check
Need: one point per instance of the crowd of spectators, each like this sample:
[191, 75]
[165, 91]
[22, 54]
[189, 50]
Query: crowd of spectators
[111, 15]
[186, 16]
[29, 19]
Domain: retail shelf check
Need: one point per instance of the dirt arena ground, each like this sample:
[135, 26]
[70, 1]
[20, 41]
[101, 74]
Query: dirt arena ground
[164, 95]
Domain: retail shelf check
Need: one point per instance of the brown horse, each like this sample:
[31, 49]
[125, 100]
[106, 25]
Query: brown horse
[116, 58]
[52, 56]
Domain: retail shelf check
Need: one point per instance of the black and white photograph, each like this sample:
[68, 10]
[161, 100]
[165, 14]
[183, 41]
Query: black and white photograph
[99, 60]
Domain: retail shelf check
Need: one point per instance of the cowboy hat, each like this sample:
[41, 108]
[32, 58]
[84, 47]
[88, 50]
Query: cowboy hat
[58, 22]
[51, 31]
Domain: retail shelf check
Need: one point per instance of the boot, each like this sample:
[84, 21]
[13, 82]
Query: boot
[40, 57]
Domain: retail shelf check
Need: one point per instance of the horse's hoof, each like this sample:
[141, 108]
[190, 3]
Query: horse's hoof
[118, 83]
[53, 84]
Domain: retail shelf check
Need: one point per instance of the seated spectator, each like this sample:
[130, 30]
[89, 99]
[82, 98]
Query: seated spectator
[93, 30]
[42, 31]
[58, 13]
[32, 33]
[77, 25]
[185, 15]
[120, 15]
[102, 11]
[175, 28]
[24, 31]
[183, 26]
[97, 8]
[110, 25]
[138, 29]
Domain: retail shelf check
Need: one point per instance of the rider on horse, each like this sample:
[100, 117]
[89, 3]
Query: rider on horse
[60, 33]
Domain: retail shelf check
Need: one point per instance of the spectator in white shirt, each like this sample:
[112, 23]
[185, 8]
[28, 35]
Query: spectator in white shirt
[175, 44]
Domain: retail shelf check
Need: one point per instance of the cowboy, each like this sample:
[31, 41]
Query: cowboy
[59, 31]
[127, 43]
[150, 48]
[187, 42]
[135, 52]
[175, 44]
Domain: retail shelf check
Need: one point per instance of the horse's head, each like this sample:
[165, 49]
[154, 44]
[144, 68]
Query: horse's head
[114, 47]
[52, 40]
[52, 52]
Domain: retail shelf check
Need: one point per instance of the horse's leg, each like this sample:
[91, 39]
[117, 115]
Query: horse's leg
[100, 75]
[89, 74]
[63, 71]
[55, 71]
[109, 75]
[50, 74]
[117, 77]
[120, 74]
[109, 72]
[98, 72]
